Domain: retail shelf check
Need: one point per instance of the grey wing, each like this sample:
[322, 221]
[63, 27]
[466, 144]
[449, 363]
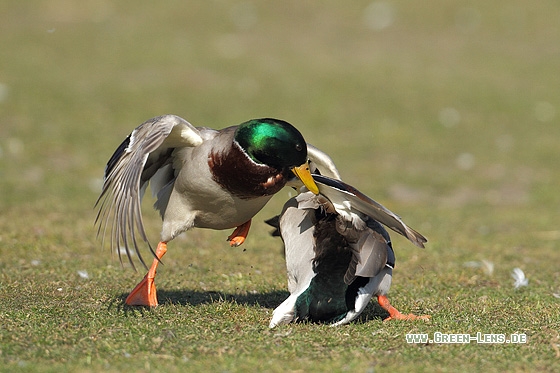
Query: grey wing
[145, 151]
[369, 256]
[340, 193]
[297, 226]
[322, 162]
[377, 211]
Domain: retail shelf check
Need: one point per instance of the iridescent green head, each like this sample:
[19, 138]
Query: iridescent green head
[272, 142]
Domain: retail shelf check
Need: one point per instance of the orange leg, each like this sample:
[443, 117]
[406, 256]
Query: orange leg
[239, 234]
[144, 294]
[394, 313]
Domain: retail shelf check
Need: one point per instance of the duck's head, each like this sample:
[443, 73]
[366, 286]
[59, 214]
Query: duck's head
[278, 144]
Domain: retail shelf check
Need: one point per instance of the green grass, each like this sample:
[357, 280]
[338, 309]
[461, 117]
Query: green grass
[481, 184]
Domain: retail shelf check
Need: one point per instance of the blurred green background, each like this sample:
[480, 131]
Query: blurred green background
[447, 112]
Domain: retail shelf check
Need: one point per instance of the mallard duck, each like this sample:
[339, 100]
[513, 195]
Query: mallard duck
[338, 255]
[201, 177]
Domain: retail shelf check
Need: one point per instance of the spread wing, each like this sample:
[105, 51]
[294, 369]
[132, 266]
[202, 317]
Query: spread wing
[321, 162]
[348, 199]
[142, 154]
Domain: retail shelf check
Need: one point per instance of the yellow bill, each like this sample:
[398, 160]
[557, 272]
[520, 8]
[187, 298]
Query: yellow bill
[302, 172]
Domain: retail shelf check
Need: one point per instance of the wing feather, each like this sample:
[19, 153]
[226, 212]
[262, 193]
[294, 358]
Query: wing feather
[340, 193]
[322, 162]
[137, 159]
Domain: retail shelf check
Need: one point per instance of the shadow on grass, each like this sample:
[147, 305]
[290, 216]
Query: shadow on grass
[269, 300]
[196, 297]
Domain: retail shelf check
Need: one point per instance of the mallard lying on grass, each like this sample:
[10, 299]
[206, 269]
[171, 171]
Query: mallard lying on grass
[338, 255]
[204, 178]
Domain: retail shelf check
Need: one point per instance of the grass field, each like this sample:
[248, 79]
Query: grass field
[447, 112]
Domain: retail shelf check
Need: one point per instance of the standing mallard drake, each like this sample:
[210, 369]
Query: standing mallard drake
[338, 255]
[217, 179]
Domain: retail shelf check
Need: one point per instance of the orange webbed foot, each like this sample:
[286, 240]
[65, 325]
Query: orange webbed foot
[144, 294]
[239, 234]
[395, 314]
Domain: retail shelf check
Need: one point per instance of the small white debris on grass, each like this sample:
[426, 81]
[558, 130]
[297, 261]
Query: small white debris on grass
[35, 262]
[83, 274]
[519, 278]
[486, 265]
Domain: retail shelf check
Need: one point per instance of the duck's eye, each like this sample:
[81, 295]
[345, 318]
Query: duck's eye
[299, 148]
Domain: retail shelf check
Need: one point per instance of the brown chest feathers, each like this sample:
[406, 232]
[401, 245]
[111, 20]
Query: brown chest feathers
[238, 174]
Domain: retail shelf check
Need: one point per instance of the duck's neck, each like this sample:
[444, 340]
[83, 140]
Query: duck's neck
[241, 176]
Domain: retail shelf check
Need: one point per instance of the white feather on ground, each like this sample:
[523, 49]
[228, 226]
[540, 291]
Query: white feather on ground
[486, 265]
[519, 278]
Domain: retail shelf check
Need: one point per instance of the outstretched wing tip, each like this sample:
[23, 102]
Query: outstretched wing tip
[118, 204]
[370, 207]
